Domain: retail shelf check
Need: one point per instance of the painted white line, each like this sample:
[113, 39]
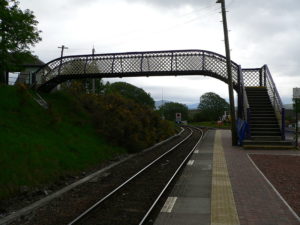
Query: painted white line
[169, 204]
[279, 195]
[196, 152]
[190, 162]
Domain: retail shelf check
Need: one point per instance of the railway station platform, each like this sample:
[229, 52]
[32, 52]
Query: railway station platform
[221, 186]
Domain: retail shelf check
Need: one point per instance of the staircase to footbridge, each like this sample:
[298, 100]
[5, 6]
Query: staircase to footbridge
[254, 87]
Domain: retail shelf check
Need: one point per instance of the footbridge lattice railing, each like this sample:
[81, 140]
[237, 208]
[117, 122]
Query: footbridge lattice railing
[155, 63]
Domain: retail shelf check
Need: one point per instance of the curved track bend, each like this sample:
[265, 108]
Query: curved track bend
[134, 199]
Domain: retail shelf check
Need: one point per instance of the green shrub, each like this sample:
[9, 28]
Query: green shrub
[126, 123]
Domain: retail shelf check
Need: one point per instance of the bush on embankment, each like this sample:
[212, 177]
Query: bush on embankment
[125, 122]
[37, 145]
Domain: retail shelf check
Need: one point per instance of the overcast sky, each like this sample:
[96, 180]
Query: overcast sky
[261, 32]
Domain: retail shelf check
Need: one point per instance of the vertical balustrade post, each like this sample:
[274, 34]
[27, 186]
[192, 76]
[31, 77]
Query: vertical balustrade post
[113, 64]
[283, 124]
[265, 75]
[85, 65]
[172, 61]
[260, 77]
[142, 62]
[203, 61]
[248, 121]
[59, 67]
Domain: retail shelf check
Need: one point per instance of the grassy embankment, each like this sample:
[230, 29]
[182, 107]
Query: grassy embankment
[37, 145]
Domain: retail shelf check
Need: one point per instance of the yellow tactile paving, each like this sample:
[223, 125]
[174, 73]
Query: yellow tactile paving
[223, 209]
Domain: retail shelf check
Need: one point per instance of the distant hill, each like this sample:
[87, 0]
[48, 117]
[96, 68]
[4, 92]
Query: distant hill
[193, 106]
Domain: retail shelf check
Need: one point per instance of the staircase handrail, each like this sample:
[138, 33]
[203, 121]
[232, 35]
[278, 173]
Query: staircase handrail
[245, 98]
[275, 99]
[268, 75]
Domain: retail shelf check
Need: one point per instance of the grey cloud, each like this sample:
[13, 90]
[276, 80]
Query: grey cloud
[270, 29]
[174, 3]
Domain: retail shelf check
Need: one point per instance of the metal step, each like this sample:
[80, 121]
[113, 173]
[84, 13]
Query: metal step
[259, 114]
[265, 138]
[262, 120]
[267, 129]
[265, 126]
[253, 117]
[269, 109]
[259, 101]
[257, 92]
[268, 147]
[263, 133]
[260, 105]
[257, 97]
[255, 142]
[263, 96]
[259, 124]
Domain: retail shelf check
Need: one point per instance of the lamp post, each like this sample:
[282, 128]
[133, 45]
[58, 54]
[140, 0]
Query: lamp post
[229, 73]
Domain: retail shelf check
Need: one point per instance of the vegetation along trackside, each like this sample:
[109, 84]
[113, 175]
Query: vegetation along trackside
[75, 133]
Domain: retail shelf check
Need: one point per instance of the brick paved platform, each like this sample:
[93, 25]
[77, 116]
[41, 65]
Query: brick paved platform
[256, 201]
[220, 186]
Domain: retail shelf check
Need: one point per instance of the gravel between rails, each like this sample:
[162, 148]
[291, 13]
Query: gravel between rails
[130, 204]
[65, 208]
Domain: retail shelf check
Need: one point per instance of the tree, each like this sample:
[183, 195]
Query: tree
[296, 105]
[131, 92]
[18, 32]
[169, 110]
[212, 106]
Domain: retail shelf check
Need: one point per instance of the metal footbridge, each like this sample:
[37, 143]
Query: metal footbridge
[162, 63]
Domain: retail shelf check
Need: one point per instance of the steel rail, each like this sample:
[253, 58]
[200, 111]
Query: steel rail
[77, 219]
[171, 179]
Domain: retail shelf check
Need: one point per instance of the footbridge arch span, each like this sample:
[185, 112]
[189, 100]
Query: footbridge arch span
[135, 64]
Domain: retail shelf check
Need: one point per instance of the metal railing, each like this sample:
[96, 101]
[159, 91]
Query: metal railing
[131, 64]
[244, 110]
[275, 99]
[243, 96]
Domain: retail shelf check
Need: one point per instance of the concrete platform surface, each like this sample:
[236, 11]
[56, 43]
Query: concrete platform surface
[220, 186]
[193, 189]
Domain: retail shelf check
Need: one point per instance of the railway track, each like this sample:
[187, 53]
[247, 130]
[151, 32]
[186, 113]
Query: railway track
[134, 200]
